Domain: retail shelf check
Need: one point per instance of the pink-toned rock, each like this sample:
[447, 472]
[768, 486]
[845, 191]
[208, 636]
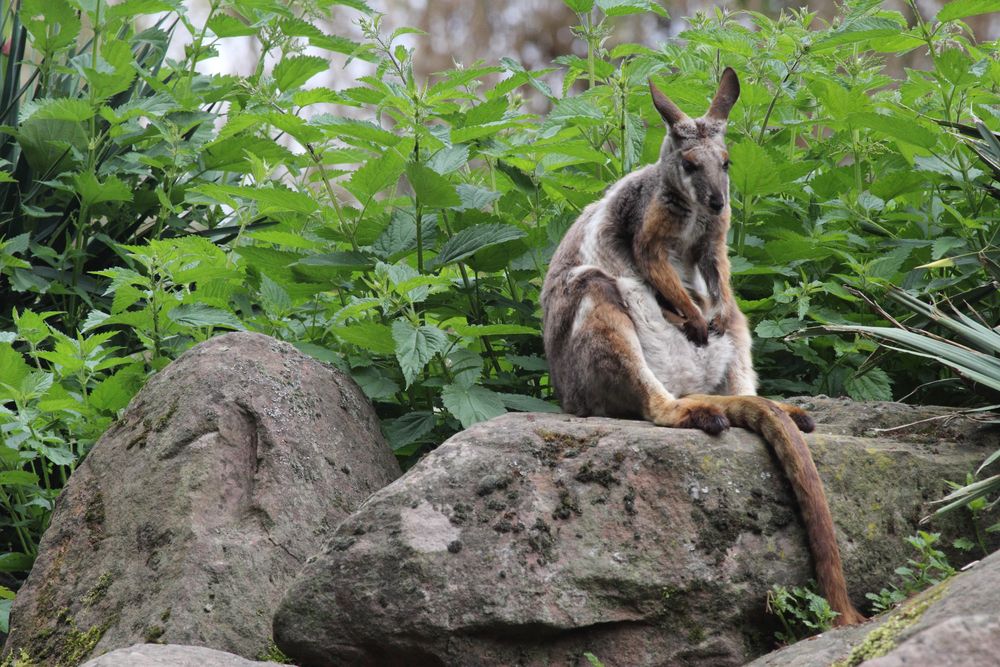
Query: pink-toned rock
[532, 539]
[192, 514]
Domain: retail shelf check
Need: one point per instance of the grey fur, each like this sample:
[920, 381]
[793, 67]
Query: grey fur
[610, 348]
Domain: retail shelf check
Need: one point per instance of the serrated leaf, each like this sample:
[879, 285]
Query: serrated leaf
[873, 385]
[415, 346]
[449, 159]
[408, 429]
[431, 188]
[752, 171]
[624, 7]
[224, 25]
[376, 175]
[895, 126]
[472, 239]
[200, 315]
[93, 192]
[472, 404]
[370, 336]
[475, 197]
[580, 6]
[960, 9]
[293, 71]
[575, 109]
[777, 328]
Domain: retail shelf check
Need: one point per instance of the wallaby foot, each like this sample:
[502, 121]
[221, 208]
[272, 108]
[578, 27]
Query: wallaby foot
[685, 413]
[799, 416]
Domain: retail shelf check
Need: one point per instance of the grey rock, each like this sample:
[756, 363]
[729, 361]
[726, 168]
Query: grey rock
[192, 514]
[171, 655]
[953, 624]
[531, 539]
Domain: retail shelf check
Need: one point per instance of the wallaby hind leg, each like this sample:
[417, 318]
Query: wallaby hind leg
[616, 381]
[799, 416]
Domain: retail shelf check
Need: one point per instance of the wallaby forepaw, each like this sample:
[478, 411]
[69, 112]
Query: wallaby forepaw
[707, 418]
[696, 331]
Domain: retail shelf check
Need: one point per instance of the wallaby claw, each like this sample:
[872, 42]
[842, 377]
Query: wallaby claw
[696, 331]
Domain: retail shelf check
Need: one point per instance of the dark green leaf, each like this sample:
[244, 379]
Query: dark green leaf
[472, 404]
[431, 188]
[415, 346]
[200, 315]
[472, 239]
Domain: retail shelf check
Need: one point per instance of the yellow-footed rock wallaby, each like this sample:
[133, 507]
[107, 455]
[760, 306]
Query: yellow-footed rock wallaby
[640, 319]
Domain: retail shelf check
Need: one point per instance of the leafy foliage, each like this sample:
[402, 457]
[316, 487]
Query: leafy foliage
[802, 612]
[401, 227]
[928, 568]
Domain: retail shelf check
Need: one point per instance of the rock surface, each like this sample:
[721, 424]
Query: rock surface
[192, 514]
[171, 655]
[531, 539]
[954, 624]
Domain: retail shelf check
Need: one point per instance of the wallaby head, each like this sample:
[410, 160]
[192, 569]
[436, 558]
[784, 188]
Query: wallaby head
[694, 163]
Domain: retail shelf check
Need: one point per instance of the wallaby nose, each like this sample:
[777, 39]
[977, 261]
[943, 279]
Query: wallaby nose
[716, 202]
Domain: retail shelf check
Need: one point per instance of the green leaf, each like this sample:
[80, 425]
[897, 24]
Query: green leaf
[93, 192]
[858, 30]
[115, 391]
[18, 478]
[449, 159]
[375, 383]
[431, 188]
[15, 562]
[523, 403]
[960, 9]
[371, 336]
[293, 71]
[52, 24]
[472, 404]
[777, 328]
[131, 8]
[473, 239]
[62, 108]
[376, 175]
[408, 429]
[200, 315]
[623, 7]
[873, 385]
[224, 25]
[13, 369]
[575, 109]
[415, 346]
[480, 330]
[895, 126]
[752, 171]
[580, 6]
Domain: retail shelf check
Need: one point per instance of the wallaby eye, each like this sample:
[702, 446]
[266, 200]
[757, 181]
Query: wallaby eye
[689, 166]
[725, 166]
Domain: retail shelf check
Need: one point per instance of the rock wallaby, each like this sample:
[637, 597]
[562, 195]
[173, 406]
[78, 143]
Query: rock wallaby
[640, 319]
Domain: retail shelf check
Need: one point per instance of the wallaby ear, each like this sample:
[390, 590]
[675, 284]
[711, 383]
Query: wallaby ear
[670, 111]
[725, 96]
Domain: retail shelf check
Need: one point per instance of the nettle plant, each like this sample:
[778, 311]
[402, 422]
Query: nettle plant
[413, 243]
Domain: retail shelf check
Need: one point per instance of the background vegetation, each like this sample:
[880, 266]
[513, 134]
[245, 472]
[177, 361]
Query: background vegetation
[400, 227]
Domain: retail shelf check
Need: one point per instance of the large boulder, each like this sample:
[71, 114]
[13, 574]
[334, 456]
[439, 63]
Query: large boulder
[532, 539]
[172, 655]
[192, 514]
[953, 624]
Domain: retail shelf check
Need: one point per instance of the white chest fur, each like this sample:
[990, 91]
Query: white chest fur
[681, 366]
